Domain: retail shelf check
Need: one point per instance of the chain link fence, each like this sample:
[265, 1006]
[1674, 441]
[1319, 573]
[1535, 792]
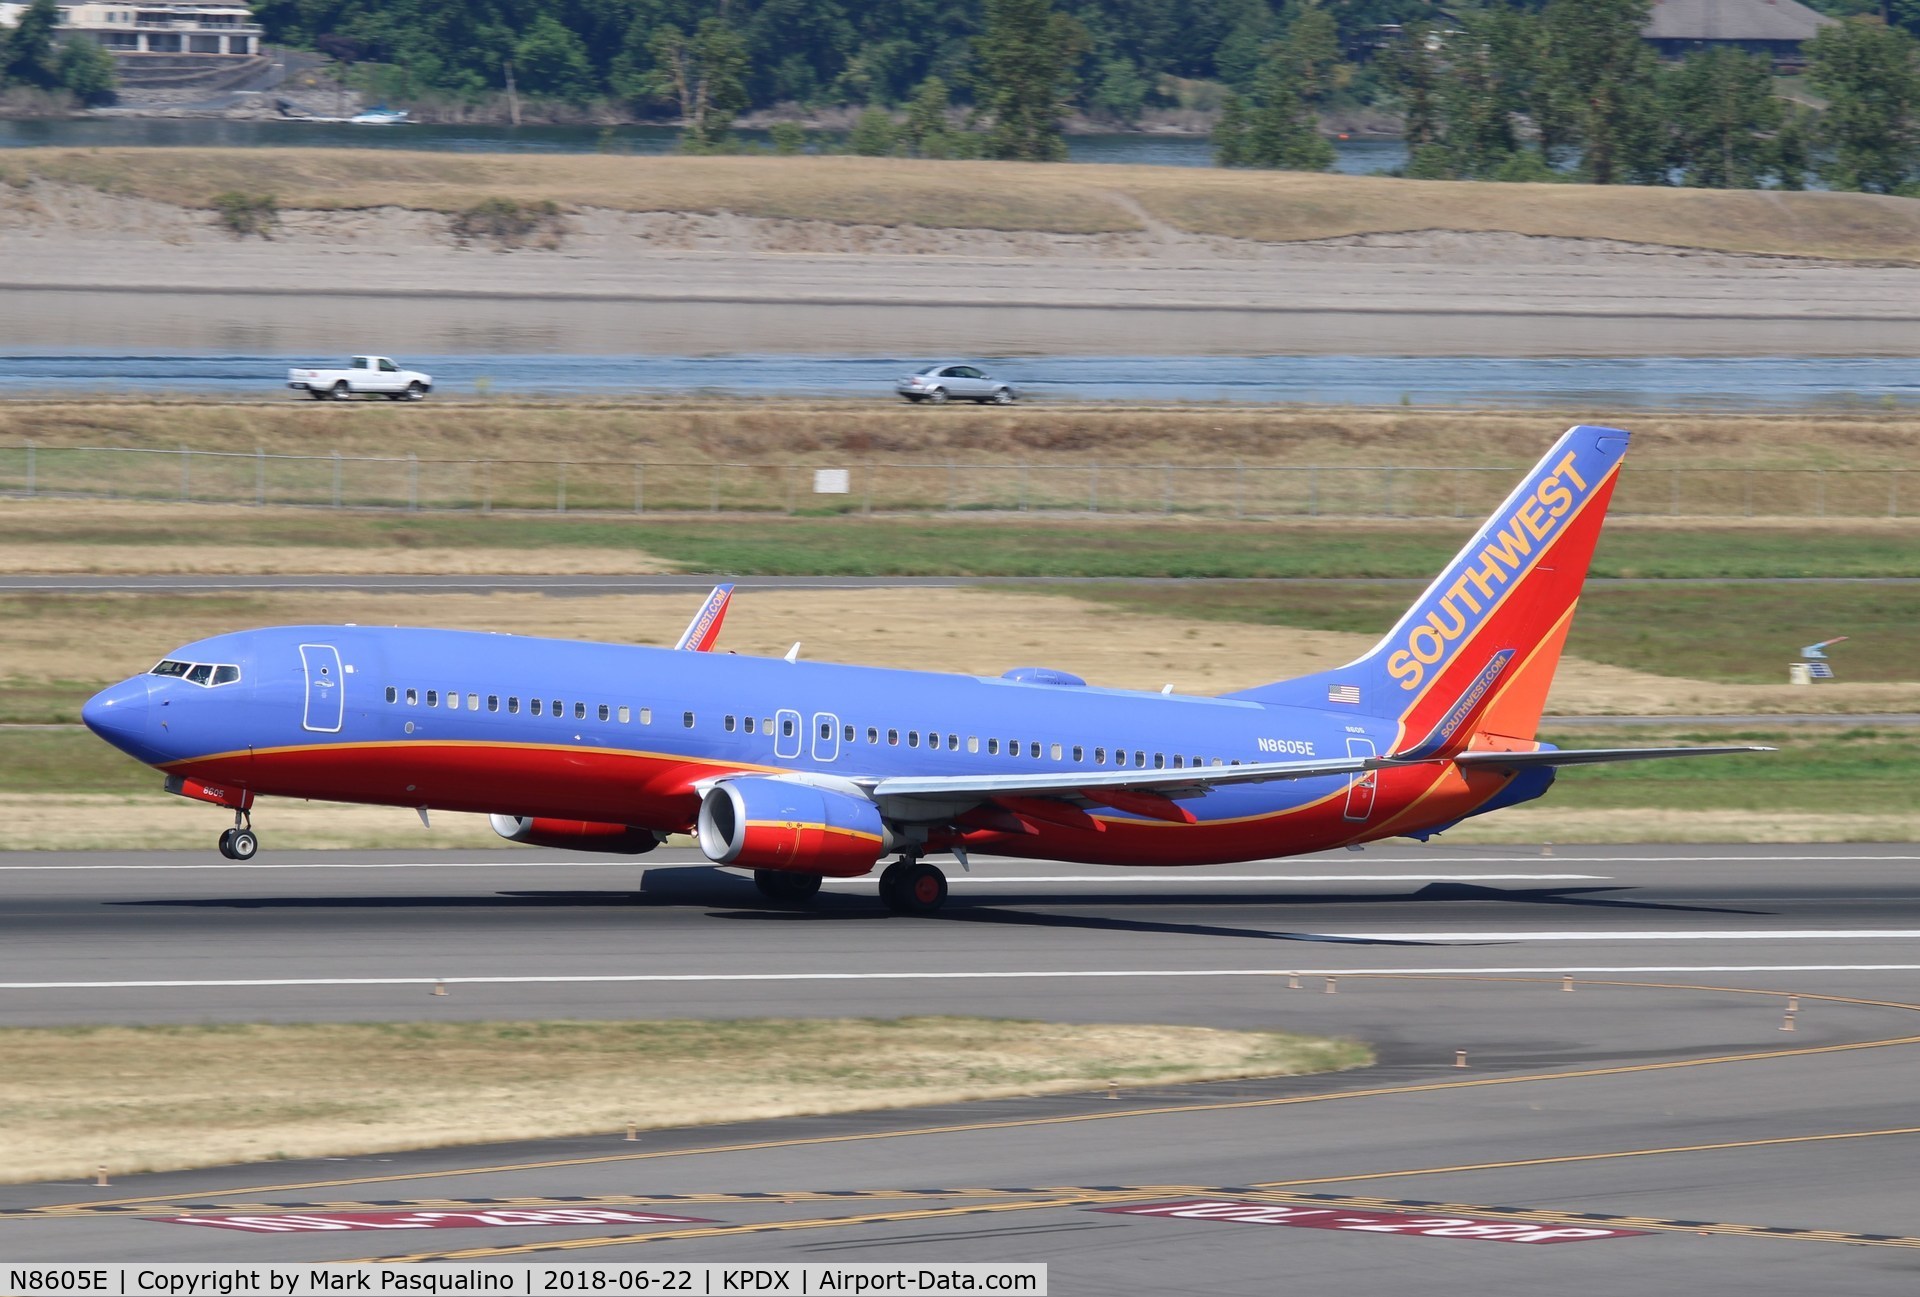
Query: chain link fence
[1213, 490]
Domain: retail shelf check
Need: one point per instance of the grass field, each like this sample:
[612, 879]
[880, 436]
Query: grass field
[160, 1098]
[1268, 206]
[854, 433]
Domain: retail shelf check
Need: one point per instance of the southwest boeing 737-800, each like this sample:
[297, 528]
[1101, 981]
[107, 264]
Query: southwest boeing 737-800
[801, 771]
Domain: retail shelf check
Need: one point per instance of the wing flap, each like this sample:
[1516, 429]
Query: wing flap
[1590, 756]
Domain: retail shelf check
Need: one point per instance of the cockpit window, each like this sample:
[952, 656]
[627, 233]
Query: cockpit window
[206, 674]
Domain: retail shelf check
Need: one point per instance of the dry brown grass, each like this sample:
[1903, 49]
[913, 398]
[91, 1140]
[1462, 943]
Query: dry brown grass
[845, 433]
[1270, 206]
[160, 1098]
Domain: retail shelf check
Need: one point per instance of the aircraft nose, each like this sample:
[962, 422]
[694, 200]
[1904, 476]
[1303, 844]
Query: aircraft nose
[119, 713]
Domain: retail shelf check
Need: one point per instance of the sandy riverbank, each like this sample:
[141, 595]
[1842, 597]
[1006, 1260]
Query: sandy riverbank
[84, 267]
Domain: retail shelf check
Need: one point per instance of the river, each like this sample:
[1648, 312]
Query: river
[1353, 157]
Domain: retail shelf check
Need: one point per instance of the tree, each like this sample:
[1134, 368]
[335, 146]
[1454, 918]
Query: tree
[874, 135]
[550, 60]
[706, 75]
[28, 55]
[1121, 92]
[86, 70]
[926, 115]
[1724, 117]
[1025, 61]
[1412, 63]
[1277, 128]
[1603, 76]
[1870, 76]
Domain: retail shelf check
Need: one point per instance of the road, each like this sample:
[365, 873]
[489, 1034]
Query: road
[1662, 1088]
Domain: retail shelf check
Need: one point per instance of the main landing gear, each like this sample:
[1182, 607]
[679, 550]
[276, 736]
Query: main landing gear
[239, 842]
[912, 886]
[785, 886]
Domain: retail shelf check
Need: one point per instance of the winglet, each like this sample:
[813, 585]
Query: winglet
[704, 629]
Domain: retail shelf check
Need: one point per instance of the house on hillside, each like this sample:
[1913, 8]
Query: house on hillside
[201, 45]
[1775, 28]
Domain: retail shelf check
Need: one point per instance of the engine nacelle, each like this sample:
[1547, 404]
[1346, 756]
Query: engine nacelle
[574, 835]
[784, 824]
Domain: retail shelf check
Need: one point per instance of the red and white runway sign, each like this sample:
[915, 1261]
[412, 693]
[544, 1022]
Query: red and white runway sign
[1370, 1222]
[324, 1222]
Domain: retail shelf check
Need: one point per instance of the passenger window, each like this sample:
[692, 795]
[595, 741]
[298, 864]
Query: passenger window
[973, 743]
[559, 708]
[1099, 756]
[1079, 753]
[433, 697]
[473, 702]
[993, 747]
[749, 724]
[686, 719]
[493, 702]
[579, 711]
[513, 705]
[1140, 759]
[453, 701]
[953, 742]
[913, 738]
[893, 738]
[848, 738]
[1056, 753]
[393, 695]
[606, 712]
[1176, 761]
[646, 715]
[1013, 747]
[1033, 750]
[413, 697]
[726, 723]
[1159, 761]
[626, 715]
[873, 734]
[533, 705]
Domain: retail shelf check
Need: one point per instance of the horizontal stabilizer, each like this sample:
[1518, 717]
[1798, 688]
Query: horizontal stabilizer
[1590, 756]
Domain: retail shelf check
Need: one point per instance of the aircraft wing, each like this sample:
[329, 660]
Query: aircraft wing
[1193, 781]
[1590, 756]
[704, 629]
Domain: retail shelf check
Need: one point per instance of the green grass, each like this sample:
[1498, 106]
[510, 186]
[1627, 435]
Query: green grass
[1737, 634]
[1008, 546]
[1817, 770]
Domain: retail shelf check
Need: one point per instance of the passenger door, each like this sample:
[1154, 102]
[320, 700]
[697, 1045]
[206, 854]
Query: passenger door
[326, 688]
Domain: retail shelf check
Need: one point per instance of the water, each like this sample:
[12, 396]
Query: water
[1648, 382]
[1354, 157]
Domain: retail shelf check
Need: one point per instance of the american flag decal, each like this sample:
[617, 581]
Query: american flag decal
[1343, 694]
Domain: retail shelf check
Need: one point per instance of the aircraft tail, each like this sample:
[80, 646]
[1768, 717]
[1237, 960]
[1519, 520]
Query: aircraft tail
[1476, 652]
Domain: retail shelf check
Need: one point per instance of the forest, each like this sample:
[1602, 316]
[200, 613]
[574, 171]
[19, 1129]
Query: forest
[1495, 89]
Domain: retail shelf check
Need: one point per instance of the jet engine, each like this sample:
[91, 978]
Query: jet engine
[784, 824]
[574, 835]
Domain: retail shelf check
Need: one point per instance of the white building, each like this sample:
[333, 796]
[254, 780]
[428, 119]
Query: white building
[214, 29]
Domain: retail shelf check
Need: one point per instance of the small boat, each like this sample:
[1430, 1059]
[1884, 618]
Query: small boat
[379, 115]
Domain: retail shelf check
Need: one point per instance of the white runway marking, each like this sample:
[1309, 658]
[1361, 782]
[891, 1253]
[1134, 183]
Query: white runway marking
[1608, 934]
[507, 979]
[1128, 876]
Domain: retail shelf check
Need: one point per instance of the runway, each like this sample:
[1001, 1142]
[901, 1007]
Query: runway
[1658, 1102]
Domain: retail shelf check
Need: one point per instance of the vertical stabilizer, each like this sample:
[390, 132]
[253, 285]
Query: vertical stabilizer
[1476, 652]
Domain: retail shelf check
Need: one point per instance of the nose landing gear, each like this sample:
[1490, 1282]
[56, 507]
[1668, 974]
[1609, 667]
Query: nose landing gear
[239, 842]
[912, 886]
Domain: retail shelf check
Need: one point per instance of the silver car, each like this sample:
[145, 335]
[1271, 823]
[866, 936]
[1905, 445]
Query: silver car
[938, 384]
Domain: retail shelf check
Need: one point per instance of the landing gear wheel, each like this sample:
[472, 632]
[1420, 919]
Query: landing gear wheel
[919, 888]
[242, 845]
[785, 886]
[890, 879]
[226, 843]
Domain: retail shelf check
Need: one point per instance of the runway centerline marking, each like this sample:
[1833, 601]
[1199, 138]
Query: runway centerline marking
[1125, 1113]
[962, 975]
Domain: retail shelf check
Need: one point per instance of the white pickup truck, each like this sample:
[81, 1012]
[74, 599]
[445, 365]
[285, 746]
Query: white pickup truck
[364, 375]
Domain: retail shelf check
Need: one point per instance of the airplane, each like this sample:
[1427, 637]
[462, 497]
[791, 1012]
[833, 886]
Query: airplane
[801, 771]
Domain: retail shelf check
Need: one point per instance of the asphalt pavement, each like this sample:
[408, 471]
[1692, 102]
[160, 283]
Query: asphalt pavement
[1655, 1123]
